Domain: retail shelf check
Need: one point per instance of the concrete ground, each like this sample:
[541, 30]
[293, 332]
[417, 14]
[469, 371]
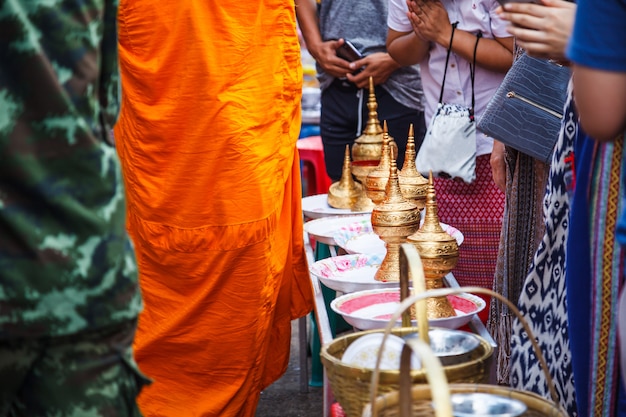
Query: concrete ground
[283, 398]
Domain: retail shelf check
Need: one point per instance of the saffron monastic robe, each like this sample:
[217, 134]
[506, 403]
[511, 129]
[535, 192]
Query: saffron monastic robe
[207, 138]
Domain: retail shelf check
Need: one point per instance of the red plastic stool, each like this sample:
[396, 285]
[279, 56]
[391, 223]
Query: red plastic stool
[311, 153]
[336, 411]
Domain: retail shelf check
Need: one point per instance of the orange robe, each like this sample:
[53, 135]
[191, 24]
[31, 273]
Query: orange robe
[207, 138]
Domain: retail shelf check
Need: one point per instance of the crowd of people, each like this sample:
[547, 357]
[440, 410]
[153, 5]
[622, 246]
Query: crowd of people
[151, 236]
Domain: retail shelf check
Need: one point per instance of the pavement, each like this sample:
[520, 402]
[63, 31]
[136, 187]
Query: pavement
[283, 398]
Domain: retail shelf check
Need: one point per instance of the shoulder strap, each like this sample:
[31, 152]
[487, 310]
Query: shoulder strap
[473, 72]
[445, 70]
[472, 67]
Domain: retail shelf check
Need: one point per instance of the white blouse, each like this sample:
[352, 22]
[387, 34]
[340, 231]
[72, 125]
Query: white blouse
[473, 16]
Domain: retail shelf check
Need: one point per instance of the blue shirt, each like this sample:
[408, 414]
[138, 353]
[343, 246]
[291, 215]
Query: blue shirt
[599, 41]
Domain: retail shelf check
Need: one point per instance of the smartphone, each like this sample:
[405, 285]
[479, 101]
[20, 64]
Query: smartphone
[503, 2]
[348, 52]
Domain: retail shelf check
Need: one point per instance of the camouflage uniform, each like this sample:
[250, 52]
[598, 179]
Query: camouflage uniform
[69, 296]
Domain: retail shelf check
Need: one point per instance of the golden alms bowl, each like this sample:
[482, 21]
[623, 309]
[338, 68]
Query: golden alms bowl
[412, 184]
[361, 169]
[376, 180]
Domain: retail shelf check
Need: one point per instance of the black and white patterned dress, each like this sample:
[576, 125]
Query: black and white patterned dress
[543, 300]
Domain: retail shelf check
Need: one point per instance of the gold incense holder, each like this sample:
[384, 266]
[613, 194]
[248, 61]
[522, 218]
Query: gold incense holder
[439, 253]
[376, 181]
[368, 146]
[412, 184]
[393, 220]
[345, 192]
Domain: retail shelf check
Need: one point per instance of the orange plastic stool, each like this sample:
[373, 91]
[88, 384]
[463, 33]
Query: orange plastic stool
[314, 174]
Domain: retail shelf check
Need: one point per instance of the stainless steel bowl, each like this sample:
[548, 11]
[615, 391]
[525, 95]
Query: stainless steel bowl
[450, 346]
[486, 405]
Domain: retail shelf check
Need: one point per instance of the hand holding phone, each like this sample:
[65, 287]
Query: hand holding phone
[348, 52]
[503, 2]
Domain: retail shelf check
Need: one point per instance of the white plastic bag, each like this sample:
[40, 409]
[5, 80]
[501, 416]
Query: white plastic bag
[449, 147]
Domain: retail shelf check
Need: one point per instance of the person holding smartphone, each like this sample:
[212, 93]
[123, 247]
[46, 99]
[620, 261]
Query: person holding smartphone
[347, 40]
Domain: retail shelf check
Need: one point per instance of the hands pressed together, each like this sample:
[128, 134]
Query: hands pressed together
[430, 21]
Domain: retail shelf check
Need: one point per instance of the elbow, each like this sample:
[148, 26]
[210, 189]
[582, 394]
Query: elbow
[404, 50]
[599, 99]
[393, 53]
[401, 61]
[601, 129]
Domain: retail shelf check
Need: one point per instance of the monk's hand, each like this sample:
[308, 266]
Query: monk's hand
[543, 30]
[378, 65]
[325, 54]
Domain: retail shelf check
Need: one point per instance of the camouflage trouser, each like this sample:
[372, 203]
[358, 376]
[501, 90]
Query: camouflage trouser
[90, 374]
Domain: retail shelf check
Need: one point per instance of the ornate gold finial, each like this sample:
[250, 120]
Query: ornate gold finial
[368, 146]
[439, 253]
[393, 220]
[373, 125]
[344, 193]
[412, 183]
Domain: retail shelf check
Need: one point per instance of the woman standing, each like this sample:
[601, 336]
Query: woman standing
[421, 33]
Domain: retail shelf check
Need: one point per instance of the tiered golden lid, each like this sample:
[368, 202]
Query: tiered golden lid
[412, 184]
[368, 146]
[439, 253]
[393, 220]
[344, 193]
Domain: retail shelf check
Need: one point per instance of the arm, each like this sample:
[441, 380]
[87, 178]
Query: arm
[405, 47]
[431, 24]
[543, 30]
[498, 165]
[598, 52]
[600, 101]
[403, 44]
[324, 52]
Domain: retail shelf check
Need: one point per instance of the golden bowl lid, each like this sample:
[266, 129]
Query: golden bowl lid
[345, 192]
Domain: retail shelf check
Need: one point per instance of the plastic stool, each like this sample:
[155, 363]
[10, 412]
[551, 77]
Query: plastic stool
[314, 174]
[336, 411]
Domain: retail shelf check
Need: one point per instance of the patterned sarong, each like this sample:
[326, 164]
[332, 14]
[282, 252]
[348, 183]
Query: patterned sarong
[595, 274]
[542, 300]
[476, 210]
[522, 230]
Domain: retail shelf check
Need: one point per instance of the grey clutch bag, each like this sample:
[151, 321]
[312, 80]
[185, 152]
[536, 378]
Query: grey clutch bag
[526, 111]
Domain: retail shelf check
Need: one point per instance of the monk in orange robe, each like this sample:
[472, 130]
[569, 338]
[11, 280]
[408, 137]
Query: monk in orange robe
[207, 138]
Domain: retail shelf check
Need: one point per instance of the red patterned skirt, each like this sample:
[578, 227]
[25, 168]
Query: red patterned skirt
[476, 210]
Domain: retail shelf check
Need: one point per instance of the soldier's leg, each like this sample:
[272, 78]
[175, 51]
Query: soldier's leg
[16, 359]
[89, 374]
